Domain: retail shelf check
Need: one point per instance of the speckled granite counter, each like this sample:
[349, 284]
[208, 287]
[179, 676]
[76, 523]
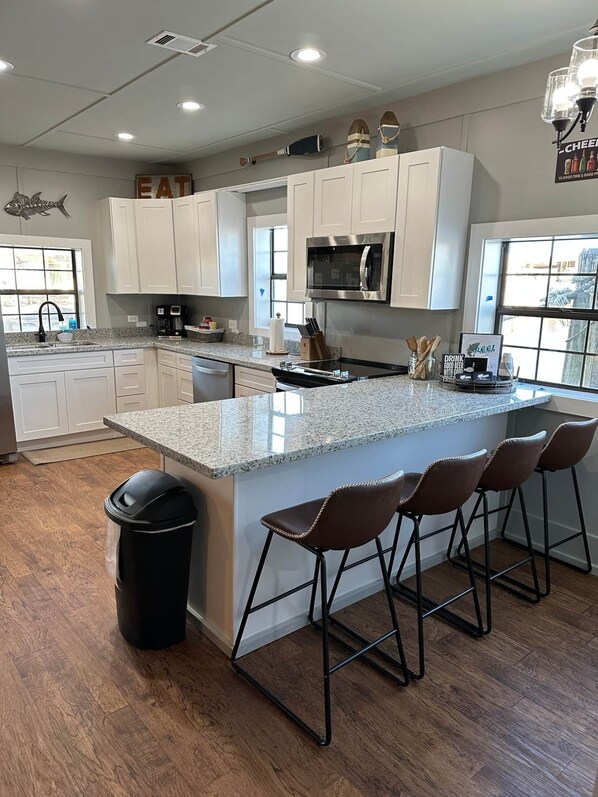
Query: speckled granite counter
[222, 438]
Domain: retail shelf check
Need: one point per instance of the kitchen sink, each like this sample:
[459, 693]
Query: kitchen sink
[50, 345]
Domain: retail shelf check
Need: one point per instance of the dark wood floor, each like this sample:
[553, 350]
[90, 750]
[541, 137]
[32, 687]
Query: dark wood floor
[82, 713]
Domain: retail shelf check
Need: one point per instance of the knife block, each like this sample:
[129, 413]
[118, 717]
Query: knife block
[308, 350]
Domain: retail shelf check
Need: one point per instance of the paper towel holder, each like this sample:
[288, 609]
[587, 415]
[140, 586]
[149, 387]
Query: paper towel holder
[278, 351]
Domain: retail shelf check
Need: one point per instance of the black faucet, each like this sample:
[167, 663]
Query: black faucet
[42, 332]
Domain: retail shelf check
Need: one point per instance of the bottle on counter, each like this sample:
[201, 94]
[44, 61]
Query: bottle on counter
[72, 324]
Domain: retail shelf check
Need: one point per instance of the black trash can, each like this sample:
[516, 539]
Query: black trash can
[156, 513]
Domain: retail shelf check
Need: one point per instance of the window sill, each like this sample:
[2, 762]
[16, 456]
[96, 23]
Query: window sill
[569, 401]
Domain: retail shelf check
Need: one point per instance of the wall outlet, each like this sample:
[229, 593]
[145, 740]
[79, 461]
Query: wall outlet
[232, 325]
[141, 323]
[132, 318]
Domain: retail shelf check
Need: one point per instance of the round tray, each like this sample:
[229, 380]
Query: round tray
[500, 386]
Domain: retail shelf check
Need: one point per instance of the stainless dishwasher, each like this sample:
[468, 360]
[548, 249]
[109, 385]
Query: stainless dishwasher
[212, 380]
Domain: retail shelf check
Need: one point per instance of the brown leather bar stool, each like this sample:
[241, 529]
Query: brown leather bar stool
[443, 488]
[566, 448]
[348, 518]
[509, 466]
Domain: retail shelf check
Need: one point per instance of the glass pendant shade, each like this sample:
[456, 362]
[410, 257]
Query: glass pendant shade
[560, 96]
[583, 67]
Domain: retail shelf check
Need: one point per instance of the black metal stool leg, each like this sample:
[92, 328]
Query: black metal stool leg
[547, 584]
[472, 581]
[507, 516]
[530, 547]
[393, 611]
[419, 604]
[314, 589]
[473, 517]
[325, 652]
[487, 567]
[253, 590]
[582, 523]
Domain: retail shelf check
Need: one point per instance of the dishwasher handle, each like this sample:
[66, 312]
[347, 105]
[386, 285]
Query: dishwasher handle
[211, 371]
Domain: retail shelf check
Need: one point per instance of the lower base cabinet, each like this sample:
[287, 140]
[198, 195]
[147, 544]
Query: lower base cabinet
[253, 381]
[131, 403]
[167, 386]
[90, 394]
[39, 403]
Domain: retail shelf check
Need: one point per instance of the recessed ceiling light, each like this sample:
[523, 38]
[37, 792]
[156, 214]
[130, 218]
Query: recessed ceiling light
[308, 55]
[190, 105]
[6, 66]
[125, 136]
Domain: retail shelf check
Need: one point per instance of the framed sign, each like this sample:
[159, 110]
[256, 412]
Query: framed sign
[474, 344]
[577, 160]
[163, 186]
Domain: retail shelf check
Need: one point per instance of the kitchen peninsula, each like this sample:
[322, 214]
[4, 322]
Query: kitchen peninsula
[247, 457]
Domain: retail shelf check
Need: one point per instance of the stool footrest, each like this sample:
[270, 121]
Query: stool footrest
[280, 597]
[440, 610]
[500, 576]
[538, 552]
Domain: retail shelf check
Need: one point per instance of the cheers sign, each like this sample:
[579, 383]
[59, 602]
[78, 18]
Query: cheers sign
[577, 160]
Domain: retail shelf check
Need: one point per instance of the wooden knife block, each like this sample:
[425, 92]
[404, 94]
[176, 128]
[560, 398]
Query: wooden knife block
[314, 348]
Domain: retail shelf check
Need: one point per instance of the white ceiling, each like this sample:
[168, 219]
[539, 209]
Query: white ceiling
[83, 70]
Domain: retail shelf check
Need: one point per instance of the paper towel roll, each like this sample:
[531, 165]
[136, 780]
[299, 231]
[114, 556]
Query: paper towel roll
[277, 333]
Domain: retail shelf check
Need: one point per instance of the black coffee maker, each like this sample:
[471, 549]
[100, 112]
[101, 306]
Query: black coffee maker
[171, 320]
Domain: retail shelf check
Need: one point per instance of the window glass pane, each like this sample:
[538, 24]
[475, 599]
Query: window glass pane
[60, 280]
[593, 338]
[563, 333]
[296, 313]
[7, 280]
[572, 290]
[58, 259]
[29, 258]
[279, 290]
[525, 291]
[280, 307]
[576, 255]
[11, 323]
[590, 374]
[280, 239]
[30, 280]
[528, 257]
[6, 257]
[9, 304]
[66, 303]
[30, 323]
[525, 360]
[520, 329]
[280, 262]
[556, 366]
[31, 303]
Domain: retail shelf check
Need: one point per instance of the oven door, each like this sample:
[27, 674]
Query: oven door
[350, 267]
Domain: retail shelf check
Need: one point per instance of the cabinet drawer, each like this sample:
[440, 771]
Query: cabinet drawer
[128, 357]
[263, 381]
[52, 363]
[131, 403]
[130, 381]
[183, 362]
[243, 390]
[184, 383]
[167, 358]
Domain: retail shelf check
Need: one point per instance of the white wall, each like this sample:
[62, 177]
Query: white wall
[85, 180]
[497, 118]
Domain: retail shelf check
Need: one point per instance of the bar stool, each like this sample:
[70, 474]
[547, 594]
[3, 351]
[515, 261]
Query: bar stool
[509, 466]
[568, 445]
[348, 518]
[443, 488]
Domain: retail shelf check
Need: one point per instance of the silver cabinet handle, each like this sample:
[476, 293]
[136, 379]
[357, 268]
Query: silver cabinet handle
[363, 273]
[211, 371]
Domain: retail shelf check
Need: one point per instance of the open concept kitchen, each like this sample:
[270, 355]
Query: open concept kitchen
[298, 399]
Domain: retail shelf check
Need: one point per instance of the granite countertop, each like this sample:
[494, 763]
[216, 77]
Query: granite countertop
[235, 353]
[221, 438]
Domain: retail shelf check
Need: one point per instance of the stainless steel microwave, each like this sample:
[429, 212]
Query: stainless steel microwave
[350, 267]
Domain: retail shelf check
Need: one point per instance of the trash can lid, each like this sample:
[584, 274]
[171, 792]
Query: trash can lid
[151, 499]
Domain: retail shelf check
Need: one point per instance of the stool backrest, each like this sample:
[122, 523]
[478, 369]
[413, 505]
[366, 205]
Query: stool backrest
[356, 514]
[512, 462]
[445, 485]
[568, 445]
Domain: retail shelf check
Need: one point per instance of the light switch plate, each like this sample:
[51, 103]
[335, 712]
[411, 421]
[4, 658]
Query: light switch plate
[132, 318]
[232, 325]
[141, 323]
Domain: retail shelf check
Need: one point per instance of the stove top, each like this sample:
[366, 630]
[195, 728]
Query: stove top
[317, 373]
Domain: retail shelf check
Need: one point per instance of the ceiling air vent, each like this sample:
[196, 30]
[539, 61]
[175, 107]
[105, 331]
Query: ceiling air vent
[180, 44]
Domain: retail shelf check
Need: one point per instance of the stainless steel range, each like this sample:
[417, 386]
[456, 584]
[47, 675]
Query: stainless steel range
[320, 373]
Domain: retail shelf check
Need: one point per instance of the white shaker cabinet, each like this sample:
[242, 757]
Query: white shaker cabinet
[119, 240]
[374, 203]
[167, 386]
[90, 394]
[155, 246]
[333, 192]
[211, 244]
[300, 220]
[39, 403]
[431, 228]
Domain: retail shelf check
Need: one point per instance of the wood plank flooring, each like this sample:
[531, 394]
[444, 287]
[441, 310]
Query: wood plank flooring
[83, 713]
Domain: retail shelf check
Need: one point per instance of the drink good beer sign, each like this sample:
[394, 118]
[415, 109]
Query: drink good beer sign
[577, 160]
[163, 186]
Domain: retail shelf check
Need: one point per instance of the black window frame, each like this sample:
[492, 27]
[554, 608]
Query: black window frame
[280, 277]
[571, 314]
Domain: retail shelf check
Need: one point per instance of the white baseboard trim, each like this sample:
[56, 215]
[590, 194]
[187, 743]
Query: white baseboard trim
[68, 439]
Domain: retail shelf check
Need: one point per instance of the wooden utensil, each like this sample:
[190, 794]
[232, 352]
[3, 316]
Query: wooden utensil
[412, 343]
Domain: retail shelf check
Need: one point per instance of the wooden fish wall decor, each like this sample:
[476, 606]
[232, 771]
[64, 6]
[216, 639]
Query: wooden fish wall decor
[25, 207]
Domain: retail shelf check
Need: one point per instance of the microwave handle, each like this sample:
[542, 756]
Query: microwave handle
[363, 272]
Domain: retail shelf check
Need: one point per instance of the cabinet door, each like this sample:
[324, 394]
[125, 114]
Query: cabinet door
[417, 200]
[90, 394]
[184, 382]
[374, 195]
[332, 200]
[206, 223]
[186, 242]
[120, 246]
[300, 220]
[39, 402]
[155, 245]
[167, 386]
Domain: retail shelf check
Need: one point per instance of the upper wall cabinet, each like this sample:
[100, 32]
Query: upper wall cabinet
[431, 228]
[120, 245]
[374, 195]
[211, 244]
[155, 246]
[300, 220]
[332, 200]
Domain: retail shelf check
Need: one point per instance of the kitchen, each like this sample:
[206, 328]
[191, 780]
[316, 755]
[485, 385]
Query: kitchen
[473, 175]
